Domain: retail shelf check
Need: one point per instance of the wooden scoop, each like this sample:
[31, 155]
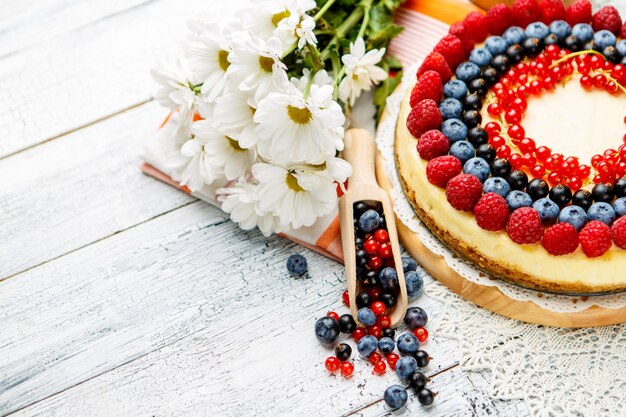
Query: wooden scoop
[359, 152]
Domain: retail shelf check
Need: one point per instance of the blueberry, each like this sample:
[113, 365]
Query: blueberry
[367, 345]
[621, 47]
[386, 345]
[414, 284]
[496, 45]
[573, 215]
[408, 264]
[467, 71]
[415, 317]
[347, 323]
[477, 167]
[497, 185]
[363, 299]
[537, 188]
[388, 299]
[583, 199]
[601, 211]
[296, 264]
[619, 206]
[343, 352]
[405, 367]
[450, 108]
[480, 56]
[454, 129]
[369, 221]
[516, 199]
[455, 89]
[513, 35]
[366, 316]
[408, 343]
[395, 397]
[561, 29]
[327, 329]
[583, 31]
[463, 150]
[548, 210]
[604, 38]
[537, 30]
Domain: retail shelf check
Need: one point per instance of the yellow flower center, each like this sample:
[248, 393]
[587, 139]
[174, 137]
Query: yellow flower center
[222, 59]
[266, 63]
[292, 183]
[280, 16]
[298, 115]
[234, 144]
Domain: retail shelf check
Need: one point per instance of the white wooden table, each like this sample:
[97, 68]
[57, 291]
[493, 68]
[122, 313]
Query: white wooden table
[122, 296]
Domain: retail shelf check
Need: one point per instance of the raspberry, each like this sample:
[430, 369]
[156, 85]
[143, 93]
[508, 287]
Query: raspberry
[595, 238]
[442, 169]
[459, 30]
[433, 144]
[499, 18]
[425, 116]
[491, 212]
[436, 62]
[476, 24]
[607, 18]
[619, 232]
[578, 12]
[428, 85]
[525, 226]
[452, 50]
[525, 12]
[463, 191]
[560, 239]
[552, 10]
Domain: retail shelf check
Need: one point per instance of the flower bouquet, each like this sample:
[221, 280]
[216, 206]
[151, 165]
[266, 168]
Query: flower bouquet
[259, 105]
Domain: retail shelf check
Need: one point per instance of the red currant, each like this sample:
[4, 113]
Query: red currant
[494, 109]
[543, 152]
[516, 161]
[538, 171]
[375, 357]
[346, 298]
[374, 293]
[535, 87]
[379, 368]
[620, 169]
[554, 178]
[599, 81]
[610, 154]
[332, 364]
[575, 183]
[527, 145]
[497, 141]
[347, 369]
[378, 307]
[583, 171]
[375, 331]
[384, 251]
[596, 62]
[516, 131]
[520, 104]
[586, 82]
[371, 246]
[358, 334]
[381, 236]
[392, 359]
[333, 315]
[503, 152]
[375, 263]
[595, 160]
[528, 160]
[619, 72]
[384, 321]
[612, 88]
[421, 334]
[492, 129]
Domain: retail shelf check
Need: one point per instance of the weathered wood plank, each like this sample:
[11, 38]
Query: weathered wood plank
[74, 79]
[26, 22]
[80, 188]
[245, 325]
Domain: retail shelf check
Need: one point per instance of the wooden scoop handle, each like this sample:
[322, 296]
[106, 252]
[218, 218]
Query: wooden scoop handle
[360, 151]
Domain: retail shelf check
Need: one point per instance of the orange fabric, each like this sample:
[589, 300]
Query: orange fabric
[448, 11]
[329, 235]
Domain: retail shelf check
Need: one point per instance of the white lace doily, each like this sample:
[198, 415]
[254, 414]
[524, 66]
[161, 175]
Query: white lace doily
[385, 141]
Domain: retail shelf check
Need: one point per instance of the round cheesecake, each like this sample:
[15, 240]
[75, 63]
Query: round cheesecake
[570, 118]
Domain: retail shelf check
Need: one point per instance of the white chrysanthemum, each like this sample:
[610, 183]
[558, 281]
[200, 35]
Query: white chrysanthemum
[297, 195]
[292, 129]
[221, 152]
[361, 71]
[197, 171]
[208, 61]
[320, 78]
[256, 66]
[298, 27]
[235, 117]
[242, 203]
[339, 170]
[176, 88]
[267, 16]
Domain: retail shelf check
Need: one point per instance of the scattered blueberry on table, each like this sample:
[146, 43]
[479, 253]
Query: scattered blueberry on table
[296, 264]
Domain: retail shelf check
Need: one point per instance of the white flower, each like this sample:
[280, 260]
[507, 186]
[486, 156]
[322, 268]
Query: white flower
[220, 152]
[267, 16]
[292, 129]
[208, 60]
[256, 66]
[339, 170]
[234, 116]
[242, 203]
[320, 78]
[361, 71]
[298, 27]
[297, 195]
[197, 169]
[176, 89]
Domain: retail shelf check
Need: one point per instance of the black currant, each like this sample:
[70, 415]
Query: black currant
[418, 381]
[487, 152]
[343, 351]
[532, 46]
[582, 199]
[500, 167]
[362, 257]
[537, 189]
[477, 136]
[363, 299]
[471, 118]
[371, 277]
[611, 54]
[359, 208]
[422, 358]
[515, 53]
[620, 188]
[561, 194]
[388, 299]
[517, 179]
[491, 75]
[572, 43]
[472, 102]
[389, 332]
[623, 62]
[425, 396]
[551, 39]
[347, 323]
[478, 86]
[603, 193]
[589, 45]
[358, 242]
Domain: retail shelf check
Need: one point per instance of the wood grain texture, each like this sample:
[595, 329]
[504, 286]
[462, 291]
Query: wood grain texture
[78, 189]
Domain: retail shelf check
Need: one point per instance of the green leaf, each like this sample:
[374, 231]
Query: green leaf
[381, 27]
[385, 90]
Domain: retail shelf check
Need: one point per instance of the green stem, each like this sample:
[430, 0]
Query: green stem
[309, 83]
[366, 19]
[323, 10]
[354, 18]
[336, 82]
[572, 55]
